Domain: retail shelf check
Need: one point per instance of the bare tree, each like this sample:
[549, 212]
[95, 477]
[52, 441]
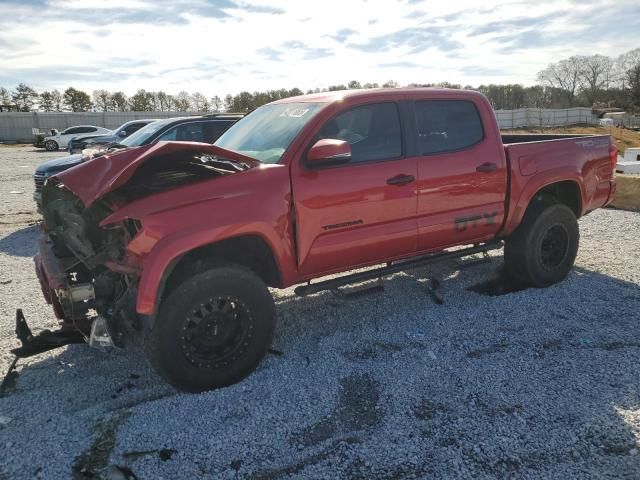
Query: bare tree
[624, 63]
[164, 101]
[24, 97]
[182, 102]
[120, 101]
[102, 100]
[595, 75]
[199, 102]
[5, 98]
[564, 74]
[46, 102]
[56, 99]
[216, 103]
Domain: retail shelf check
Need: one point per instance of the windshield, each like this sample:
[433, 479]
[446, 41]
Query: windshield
[266, 133]
[141, 136]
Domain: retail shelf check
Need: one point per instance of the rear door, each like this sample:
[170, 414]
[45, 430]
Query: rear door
[462, 174]
[363, 211]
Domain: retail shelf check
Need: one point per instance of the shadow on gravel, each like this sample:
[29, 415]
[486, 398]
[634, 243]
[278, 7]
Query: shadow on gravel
[535, 383]
[21, 243]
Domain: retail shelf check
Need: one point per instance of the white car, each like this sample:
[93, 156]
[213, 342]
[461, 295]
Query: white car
[60, 139]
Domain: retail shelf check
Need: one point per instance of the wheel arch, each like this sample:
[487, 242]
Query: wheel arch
[249, 250]
[567, 191]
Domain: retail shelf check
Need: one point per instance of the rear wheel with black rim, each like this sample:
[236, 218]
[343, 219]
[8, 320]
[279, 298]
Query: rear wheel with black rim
[212, 330]
[543, 249]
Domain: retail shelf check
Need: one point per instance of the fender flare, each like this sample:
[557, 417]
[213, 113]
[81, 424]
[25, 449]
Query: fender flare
[160, 262]
[519, 206]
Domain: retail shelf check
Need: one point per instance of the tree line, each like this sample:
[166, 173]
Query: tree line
[581, 80]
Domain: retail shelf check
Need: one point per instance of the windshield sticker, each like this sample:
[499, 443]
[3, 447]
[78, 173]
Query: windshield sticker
[294, 112]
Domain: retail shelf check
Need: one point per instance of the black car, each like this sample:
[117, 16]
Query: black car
[79, 143]
[204, 129]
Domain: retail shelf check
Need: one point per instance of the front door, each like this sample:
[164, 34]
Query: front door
[363, 211]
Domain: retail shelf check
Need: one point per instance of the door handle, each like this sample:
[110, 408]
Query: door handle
[400, 180]
[487, 167]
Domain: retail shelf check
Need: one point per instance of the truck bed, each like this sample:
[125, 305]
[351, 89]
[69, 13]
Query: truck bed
[510, 138]
[580, 161]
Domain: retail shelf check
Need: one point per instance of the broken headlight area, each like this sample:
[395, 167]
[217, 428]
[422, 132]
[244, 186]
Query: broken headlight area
[84, 270]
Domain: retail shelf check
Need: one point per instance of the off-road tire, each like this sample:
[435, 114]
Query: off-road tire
[51, 146]
[172, 344]
[543, 248]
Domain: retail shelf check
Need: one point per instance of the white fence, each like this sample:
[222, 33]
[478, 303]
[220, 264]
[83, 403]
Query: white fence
[548, 117]
[17, 126]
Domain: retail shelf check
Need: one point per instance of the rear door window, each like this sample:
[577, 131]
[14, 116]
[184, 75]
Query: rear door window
[447, 125]
[86, 130]
[186, 132]
[373, 131]
[214, 128]
[134, 127]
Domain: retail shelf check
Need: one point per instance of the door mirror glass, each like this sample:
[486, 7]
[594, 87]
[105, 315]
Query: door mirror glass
[329, 151]
[122, 133]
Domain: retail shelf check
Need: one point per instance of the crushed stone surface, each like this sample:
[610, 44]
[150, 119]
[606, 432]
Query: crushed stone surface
[528, 384]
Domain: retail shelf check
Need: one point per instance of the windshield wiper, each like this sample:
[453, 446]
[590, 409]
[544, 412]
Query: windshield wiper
[205, 158]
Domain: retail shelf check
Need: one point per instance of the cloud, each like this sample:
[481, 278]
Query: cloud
[515, 23]
[224, 46]
[399, 64]
[480, 70]
[270, 53]
[261, 9]
[416, 40]
[158, 12]
[306, 51]
[342, 35]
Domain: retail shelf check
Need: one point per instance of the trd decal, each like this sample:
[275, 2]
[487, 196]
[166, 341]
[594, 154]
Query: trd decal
[344, 224]
[461, 223]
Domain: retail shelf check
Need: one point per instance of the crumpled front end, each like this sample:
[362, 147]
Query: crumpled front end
[85, 269]
[81, 266]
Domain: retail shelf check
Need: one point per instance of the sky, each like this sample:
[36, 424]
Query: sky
[218, 47]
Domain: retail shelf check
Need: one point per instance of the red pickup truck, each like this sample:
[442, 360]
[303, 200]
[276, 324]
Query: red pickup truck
[172, 246]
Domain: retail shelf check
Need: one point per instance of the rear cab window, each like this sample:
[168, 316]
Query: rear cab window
[447, 125]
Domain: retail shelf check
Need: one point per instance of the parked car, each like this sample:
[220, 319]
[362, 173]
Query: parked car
[194, 129]
[58, 140]
[77, 144]
[174, 246]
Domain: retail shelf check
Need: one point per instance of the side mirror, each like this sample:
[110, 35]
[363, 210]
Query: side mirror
[329, 151]
[122, 133]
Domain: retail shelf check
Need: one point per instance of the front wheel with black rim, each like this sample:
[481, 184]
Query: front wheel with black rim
[212, 330]
[543, 249]
[51, 145]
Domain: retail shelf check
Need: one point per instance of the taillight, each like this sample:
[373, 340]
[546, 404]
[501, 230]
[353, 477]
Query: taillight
[613, 156]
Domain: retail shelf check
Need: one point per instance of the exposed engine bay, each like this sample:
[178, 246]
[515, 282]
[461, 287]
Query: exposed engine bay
[83, 267]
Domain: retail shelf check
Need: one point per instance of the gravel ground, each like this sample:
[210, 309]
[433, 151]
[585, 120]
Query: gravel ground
[528, 384]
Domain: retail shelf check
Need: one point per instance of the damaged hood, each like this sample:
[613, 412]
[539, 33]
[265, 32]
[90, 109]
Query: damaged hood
[92, 180]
